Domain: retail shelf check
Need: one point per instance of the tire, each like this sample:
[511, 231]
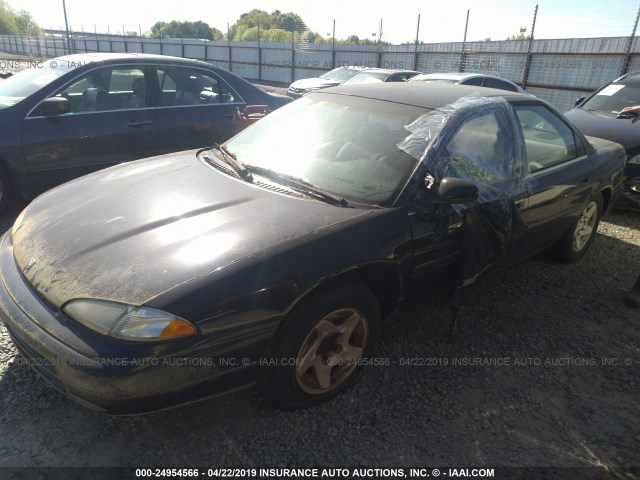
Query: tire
[329, 335]
[575, 243]
[4, 191]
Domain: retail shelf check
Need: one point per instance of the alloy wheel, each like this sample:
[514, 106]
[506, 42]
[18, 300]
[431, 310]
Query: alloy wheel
[586, 226]
[331, 351]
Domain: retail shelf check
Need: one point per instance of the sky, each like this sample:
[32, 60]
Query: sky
[439, 21]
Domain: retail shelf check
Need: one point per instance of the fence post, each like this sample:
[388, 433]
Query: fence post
[415, 51]
[379, 54]
[527, 64]
[333, 46]
[259, 55]
[293, 55]
[229, 47]
[627, 56]
[463, 55]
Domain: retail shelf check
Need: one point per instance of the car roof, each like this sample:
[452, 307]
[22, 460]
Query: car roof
[447, 76]
[458, 76]
[425, 95]
[632, 78]
[95, 57]
[388, 70]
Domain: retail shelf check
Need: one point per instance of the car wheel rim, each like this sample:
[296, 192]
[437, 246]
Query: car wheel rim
[331, 351]
[585, 227]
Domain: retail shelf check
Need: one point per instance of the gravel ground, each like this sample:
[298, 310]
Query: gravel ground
[543, 372]
[560, 406]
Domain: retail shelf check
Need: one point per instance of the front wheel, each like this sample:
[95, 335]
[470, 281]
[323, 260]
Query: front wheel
[577, 241]
[321, 347]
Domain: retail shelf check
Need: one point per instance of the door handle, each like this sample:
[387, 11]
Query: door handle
[138, 123]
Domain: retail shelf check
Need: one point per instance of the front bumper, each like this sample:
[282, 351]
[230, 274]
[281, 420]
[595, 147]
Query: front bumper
[113, 376]
[295, 92]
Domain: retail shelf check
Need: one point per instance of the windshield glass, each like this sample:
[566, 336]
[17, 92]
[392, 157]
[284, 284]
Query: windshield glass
[367, 77]
[21, 85]
[338, 75]
[344, 145]
[613, 98]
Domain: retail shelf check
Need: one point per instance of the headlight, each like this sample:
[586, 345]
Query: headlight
[138, 324]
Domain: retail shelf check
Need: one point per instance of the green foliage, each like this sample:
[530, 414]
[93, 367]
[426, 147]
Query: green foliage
[520, 36]
[26, 24]
[21, 23]
[176, 29]
[273, 27]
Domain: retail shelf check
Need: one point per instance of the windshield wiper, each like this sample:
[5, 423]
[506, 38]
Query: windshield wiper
[230, 160]
[300, 185]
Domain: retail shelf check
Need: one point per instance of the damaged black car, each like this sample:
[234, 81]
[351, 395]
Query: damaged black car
[274, 258]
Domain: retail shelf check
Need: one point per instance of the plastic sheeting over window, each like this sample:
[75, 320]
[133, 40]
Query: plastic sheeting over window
[476, 139]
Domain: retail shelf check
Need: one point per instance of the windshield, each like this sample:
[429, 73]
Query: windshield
[344, 145]
[613, 98]
[339, 74]
[367, 77]
[21, 85]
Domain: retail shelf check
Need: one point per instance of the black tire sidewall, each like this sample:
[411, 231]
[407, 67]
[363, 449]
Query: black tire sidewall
[277, 382]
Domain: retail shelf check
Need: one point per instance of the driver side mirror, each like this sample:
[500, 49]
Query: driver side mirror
[455, 190]
[52, 107]
[579, 101]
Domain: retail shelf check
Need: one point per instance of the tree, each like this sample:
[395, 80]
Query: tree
[176, 29]
[274, 27]
[217, 34]
[26, 25]
[21, 23]
[520, 36]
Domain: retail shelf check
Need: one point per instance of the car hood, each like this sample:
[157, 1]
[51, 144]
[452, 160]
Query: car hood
[313, 83]
[619, 130]
[135, 231]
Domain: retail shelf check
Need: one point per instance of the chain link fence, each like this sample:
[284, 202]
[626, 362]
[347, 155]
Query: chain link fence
[557, 70]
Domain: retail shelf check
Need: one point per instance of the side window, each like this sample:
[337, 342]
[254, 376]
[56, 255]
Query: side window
[180, 86]
[499, 84]
[477, 151]
[548, 140]
[110, 88]
[474, 81]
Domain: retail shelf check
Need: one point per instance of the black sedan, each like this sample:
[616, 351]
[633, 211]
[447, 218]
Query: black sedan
[599, 115]
[275, 257]
[73, 115]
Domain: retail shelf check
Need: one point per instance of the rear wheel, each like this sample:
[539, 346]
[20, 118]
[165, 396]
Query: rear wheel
[322, 346]
[577, 241]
